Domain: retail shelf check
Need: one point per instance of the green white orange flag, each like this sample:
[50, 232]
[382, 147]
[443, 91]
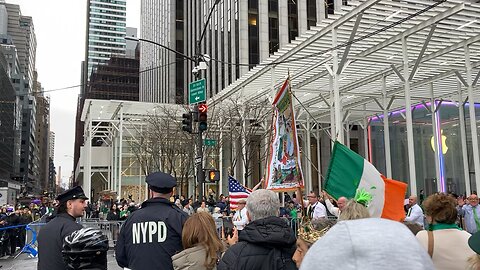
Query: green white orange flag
[349, 171]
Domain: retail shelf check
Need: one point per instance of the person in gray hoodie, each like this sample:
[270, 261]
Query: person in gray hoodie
[371, 243]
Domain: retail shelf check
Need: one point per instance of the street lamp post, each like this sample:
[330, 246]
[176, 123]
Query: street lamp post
[196, 72]
[198, 57]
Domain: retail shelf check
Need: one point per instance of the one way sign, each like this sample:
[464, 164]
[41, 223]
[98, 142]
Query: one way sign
[196, 92]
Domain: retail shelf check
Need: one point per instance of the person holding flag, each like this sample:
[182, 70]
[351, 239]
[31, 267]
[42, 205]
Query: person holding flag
[237, 191]
[238, 195]
[240, 217]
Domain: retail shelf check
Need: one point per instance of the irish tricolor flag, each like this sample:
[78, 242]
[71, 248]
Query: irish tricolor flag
[349, 171]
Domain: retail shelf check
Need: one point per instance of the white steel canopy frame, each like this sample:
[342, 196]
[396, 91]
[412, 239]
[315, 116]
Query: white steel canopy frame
[371, 50]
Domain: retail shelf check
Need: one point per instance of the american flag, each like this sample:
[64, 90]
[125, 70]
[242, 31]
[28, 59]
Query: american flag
[236, 192]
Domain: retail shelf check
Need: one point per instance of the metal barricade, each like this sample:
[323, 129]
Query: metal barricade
[110, 228]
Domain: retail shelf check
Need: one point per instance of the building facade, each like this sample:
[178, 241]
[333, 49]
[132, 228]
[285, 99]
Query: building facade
[105, 39]
[106, 30]
[18, 44]
[8, 120]
[239, 35]
[52, 174]
[42, 136]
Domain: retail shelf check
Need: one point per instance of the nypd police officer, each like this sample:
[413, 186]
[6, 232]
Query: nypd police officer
[71, 205]
[153, 234]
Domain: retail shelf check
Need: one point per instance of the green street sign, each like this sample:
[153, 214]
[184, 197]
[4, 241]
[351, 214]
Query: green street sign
[197, 92]
[210, 142]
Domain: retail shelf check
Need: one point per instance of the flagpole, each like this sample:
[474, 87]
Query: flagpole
[267, 159]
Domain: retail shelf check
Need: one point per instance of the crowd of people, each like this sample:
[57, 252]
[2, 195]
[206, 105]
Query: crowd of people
[440, 231]
[13, 219]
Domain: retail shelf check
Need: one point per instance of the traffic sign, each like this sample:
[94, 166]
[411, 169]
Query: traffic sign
[196, 92]
[202, 107]
[198, 160]
[210, 142]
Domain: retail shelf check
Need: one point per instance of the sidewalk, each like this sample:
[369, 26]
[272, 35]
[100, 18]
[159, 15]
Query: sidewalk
[26, 263]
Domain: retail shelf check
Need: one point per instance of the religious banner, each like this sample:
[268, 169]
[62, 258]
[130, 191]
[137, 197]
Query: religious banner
[284, 171]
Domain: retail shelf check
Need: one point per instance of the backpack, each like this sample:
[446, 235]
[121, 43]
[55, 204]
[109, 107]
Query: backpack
[278, 259]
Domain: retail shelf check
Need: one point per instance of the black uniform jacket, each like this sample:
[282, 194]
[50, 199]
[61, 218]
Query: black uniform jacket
[151, 236]
[266, 243]
[50, 241]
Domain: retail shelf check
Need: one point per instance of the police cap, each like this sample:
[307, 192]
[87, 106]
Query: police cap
[161, 182]
[72, 194]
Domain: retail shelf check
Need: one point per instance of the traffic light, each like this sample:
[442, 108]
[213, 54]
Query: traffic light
[213, 176]
[202, 117]
[187, 122]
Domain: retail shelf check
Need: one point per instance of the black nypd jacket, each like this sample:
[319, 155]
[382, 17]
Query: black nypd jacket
[151, 236]
[50, 241]
[267, 243]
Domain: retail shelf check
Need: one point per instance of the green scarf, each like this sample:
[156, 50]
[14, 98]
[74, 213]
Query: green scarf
[443, 226]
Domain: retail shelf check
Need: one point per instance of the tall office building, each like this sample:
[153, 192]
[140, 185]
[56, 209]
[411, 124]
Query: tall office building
[105, 39]
[42, 135]
[20, 44]
[106, 30]
[239, 35]
[8, 115]
[52, 175]
[20, 28]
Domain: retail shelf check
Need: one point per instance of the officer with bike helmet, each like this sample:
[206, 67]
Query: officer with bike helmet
[71, 205]
[85, 249]
[153, 234]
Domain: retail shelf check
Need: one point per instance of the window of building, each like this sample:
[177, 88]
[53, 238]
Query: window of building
[253, 40]
[311, 13]
[292, 20]
[273, 36]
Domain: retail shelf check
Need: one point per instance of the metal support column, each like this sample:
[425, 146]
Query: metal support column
[336, 91]
[220, 164]
[365, 133]
[115, 164]
[308, 151]
[332, 111]
[436, 148]
[120, 154]
[408, 110]
[347, 130]
[473, 120]
[463, 140]
[87, 164]
[386, 130]
[319, 162]
[111, 172]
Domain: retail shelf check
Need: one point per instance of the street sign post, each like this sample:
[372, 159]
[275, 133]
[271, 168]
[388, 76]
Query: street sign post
[210, 142]
[196, 92]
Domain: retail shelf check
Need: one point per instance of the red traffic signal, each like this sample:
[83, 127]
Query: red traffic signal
[203, 108]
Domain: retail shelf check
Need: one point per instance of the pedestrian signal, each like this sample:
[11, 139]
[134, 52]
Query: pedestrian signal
[213, 175]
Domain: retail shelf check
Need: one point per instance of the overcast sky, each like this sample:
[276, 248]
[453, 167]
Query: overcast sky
[60, 29]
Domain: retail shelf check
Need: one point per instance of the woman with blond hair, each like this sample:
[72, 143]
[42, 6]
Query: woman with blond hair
[201, 244]
[446, 243]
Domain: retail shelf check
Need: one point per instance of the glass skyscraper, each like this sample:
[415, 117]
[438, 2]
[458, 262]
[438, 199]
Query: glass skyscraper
[106, 30]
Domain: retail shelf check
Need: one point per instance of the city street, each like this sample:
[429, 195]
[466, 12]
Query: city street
[26, 263]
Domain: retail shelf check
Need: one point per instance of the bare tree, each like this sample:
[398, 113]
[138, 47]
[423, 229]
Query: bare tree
[244, 127]
[163, 146]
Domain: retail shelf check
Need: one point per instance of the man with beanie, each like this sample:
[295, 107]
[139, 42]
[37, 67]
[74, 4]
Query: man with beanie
[266, 242]
[369, 243]
[153, 234]
[50, 239]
